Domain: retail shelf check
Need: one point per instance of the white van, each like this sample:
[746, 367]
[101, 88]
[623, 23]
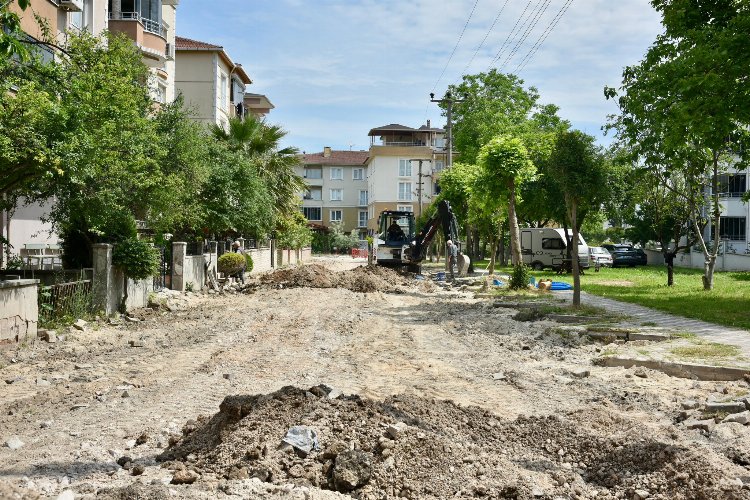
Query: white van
[545, 247]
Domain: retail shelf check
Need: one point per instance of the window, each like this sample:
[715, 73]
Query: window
[358, 174]
[404, 168]
[312, 213]
[362, 198]
[75, 20]
[439, 165]
[404, 208]
[404, 191]
[337, 194]
[224, 88]
[362, 218]
[730, 228]
[313, 173]
[552, 244]
[161, 93]
[336, 216]
[732, 185]
[337, 174]
[314, 194]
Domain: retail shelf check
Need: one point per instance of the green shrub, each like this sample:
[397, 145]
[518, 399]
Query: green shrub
[231, 263]
[519, 279]
[248, 263]
[137, 258]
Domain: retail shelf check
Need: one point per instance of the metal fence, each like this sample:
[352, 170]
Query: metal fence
[73, 298]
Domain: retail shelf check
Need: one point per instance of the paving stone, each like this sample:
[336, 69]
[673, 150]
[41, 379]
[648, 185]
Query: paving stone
[730, 407]
[741, 418]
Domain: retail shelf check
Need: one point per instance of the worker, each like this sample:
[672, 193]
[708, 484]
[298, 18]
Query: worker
[452, 254]
[237, 248]
[395, 232]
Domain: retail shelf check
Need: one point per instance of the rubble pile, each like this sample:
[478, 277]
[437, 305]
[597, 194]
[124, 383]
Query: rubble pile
[361, 279]
[412, 447]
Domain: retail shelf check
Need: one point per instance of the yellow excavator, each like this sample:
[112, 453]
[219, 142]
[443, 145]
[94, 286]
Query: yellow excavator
[397, 243]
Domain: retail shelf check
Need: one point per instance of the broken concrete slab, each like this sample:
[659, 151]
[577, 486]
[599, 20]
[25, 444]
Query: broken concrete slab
[80, 324]
[704, 425]
[676, 369]
[741, 418]
[726, 407]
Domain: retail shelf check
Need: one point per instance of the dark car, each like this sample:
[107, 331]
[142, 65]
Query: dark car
[626, 255]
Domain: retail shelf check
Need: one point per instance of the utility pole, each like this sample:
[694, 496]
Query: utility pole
[419, 182]
[449, 102]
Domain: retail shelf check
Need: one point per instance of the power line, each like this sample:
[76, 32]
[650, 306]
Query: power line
[507, 38]
[483, 40]
[456, 46]
[541, 8]
[543, 37]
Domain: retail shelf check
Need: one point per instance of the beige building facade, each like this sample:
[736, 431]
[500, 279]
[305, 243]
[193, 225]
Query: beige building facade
[402, 169]
[337, 189]
[212, 84]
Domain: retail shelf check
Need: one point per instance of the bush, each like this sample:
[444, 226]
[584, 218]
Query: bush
[137, 258]
[231, 263]
[519, 280]
[248, 263]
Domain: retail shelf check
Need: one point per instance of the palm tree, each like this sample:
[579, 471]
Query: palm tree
[275, 165]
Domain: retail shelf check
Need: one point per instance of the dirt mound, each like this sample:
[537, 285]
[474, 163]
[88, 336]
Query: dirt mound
[10, 492]
[418, 448]
[362, 279]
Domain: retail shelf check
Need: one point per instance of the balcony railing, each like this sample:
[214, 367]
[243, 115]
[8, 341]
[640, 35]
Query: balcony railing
[149, 25]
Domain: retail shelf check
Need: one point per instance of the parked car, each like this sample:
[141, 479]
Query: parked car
[601, 256]
[626, 255]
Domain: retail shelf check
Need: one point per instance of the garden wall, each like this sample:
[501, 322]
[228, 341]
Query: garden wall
[724, 262]
[19, 312]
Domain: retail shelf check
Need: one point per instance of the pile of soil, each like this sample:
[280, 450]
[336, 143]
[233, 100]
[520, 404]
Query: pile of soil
[362, 279]
[412, 447]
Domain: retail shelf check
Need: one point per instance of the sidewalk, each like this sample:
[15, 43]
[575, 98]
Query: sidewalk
[640, 314]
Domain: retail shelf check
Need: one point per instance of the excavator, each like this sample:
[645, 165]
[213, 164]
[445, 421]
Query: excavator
[397, 244]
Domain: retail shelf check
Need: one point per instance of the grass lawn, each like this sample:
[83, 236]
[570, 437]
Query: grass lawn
[727, 304]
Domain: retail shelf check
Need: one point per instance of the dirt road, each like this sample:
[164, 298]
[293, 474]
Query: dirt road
[543, 428]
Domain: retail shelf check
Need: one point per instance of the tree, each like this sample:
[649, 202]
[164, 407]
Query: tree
[582, 179]
[260, 143]
[662, 216]
[698, 68]
[505, 165]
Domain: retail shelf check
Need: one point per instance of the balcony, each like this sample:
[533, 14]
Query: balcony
[150, 36]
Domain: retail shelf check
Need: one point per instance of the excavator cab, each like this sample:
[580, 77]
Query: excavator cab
[395, 232]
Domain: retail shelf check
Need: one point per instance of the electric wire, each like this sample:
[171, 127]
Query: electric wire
[497, 17]
[541, 8]
[456, 46]
[543, 37]
[508, 37]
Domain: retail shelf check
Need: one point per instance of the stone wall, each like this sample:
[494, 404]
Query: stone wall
[191, 268]
[724, 262]
[19, 311]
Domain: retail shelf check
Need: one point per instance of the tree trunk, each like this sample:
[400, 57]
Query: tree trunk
[574, 244]
[710, 257]
[491, 268]
[515, 233]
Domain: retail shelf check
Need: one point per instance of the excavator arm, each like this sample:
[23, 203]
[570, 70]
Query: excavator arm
[444, 219]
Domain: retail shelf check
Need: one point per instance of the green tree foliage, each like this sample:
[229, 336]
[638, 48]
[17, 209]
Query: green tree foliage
[293, 232]
[685, 107]
[260, 143]
[10, 29]
[582, 179]
[505, 165]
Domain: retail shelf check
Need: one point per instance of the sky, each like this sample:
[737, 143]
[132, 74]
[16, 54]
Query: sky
[334, 69]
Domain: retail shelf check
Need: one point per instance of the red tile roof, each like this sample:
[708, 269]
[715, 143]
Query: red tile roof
[336, 158]
[187, 44]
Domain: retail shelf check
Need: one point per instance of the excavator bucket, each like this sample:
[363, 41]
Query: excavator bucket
[463, 261]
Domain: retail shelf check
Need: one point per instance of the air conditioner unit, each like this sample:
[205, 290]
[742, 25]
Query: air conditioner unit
[169, 51]
[71, 5]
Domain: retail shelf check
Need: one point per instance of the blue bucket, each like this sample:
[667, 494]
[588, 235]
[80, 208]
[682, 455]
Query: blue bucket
[440, 276]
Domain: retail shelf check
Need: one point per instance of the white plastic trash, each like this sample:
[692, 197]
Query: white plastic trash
[303, 438]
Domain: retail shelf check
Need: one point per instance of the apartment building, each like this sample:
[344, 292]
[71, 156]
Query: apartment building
[735, 213]
[402, 169]
[150, 24]
[337, 189]
[212, 84]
